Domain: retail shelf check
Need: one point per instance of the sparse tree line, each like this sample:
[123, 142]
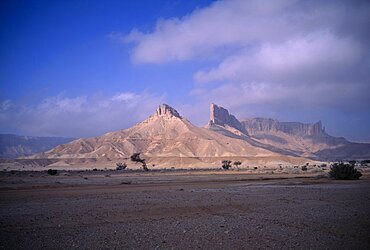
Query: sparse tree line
[338, 170]
[226, 164]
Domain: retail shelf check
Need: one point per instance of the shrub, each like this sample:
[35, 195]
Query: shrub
[304, 168]
[226, 164]
[341, 171]
[237, 163]
[52, 171]
[121, 166]
[145, 167]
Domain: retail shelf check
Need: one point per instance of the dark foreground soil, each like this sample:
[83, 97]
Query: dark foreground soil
[182, 211]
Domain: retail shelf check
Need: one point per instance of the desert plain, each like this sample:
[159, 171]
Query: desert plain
[183, 209]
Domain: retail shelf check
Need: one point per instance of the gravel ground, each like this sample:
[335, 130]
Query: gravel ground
[224, 214]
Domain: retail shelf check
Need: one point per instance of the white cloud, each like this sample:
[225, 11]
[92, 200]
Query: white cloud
[79, 116]
[240, 24]
[125, 97]
[316, 57]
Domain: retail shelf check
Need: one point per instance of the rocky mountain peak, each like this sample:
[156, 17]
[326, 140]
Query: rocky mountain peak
[220, 116]
[166, 110]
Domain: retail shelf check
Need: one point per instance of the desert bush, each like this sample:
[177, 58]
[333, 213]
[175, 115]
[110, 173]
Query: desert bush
[304, 168]
[145, 167]
[121, 166]
[226, 164]
[342, 171]
[237, 163]
[323, 165]
[255, 168]
[52, 171]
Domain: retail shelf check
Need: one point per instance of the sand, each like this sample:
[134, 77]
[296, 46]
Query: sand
[182, 210]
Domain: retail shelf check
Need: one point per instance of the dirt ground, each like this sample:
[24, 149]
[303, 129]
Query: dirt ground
[182, 210]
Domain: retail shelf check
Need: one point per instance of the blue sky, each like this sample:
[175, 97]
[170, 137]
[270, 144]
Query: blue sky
[83, 68]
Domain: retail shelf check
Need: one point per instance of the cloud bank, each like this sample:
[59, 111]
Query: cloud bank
[272, 53]
[82, 116]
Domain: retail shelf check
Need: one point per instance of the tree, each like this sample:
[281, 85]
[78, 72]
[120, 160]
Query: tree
[341, 171]
[226, 164]
[237, 163]
[136, 158]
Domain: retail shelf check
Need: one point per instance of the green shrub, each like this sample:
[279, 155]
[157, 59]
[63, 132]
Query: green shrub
[342, 171]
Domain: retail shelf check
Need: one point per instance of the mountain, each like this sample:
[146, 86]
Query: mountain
[165, 138]
[292, 138]
[168, 140]
[13, 146]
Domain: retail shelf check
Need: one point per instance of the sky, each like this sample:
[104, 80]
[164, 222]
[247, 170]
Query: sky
[84, 68]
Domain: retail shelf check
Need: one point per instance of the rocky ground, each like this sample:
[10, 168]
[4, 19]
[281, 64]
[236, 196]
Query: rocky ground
[182, 210]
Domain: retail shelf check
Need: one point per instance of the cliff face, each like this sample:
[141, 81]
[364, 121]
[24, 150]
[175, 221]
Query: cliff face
[256, 125]
[303, 139]
[220, 116]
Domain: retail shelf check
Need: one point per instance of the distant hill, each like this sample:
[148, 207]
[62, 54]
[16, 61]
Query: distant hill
[13, 146]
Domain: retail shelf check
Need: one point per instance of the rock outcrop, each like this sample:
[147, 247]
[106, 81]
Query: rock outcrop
[220, 116]
[165, 110]
[256, 125]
